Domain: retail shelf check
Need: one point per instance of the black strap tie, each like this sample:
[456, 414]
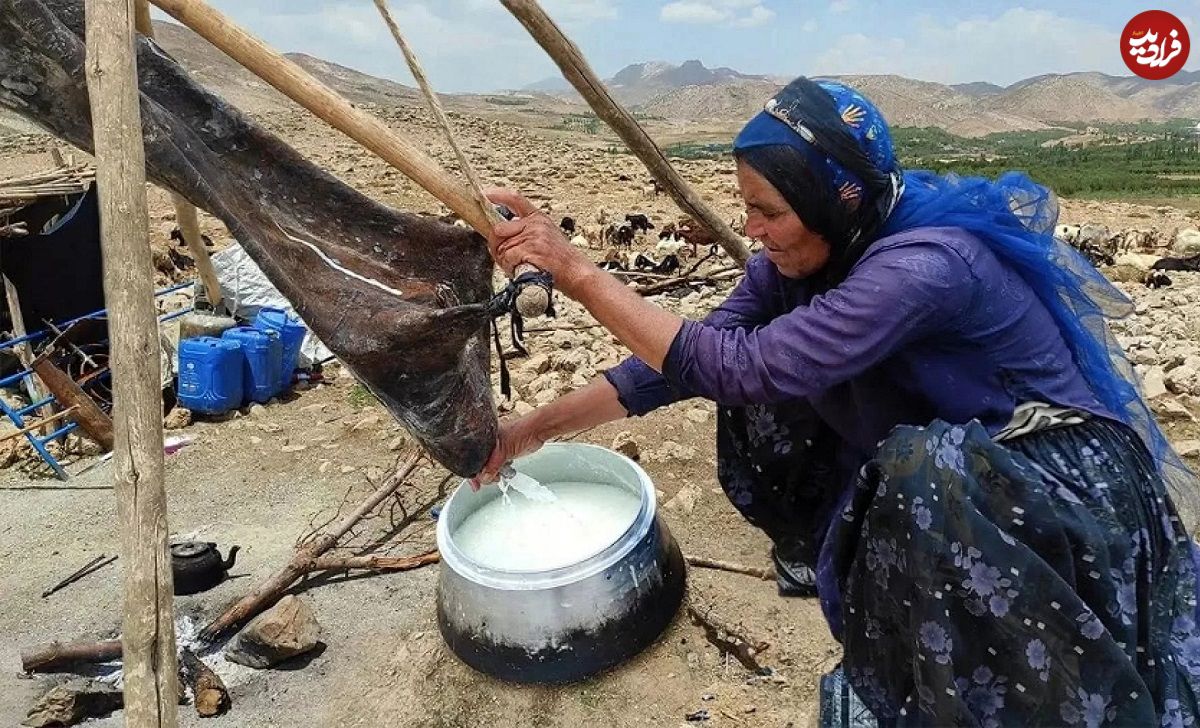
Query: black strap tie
[505, 302]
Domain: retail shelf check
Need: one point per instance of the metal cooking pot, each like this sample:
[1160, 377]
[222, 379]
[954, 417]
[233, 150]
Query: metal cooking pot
[562, 624]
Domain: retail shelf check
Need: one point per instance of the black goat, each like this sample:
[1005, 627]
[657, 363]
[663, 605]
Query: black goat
[639, 222]
[177, 236]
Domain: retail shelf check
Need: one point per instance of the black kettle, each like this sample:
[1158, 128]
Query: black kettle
[197, 566]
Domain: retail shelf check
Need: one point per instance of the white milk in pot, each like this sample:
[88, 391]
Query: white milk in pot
[540, 526]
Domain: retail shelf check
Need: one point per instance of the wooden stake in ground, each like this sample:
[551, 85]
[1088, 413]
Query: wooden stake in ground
[148, 627]
[31, 383]
[532, 300]
[185, 212]
[576, 70]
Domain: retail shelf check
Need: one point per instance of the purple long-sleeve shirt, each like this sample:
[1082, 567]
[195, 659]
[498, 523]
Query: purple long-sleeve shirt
[928, 325]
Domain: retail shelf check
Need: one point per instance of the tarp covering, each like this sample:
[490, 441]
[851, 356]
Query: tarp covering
[246, 290]
[56, 268]
[399, 298]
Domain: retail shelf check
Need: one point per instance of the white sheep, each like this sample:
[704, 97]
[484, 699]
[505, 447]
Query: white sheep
[670, 245]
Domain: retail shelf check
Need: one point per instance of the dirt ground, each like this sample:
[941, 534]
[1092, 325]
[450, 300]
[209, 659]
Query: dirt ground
[385, 663]
[261, 479]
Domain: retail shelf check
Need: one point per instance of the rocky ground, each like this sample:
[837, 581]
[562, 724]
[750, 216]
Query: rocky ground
[263, 477]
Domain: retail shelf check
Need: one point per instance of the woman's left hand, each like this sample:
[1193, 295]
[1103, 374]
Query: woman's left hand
[534, 238]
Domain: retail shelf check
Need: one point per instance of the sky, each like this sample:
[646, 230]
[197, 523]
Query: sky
[475, 45]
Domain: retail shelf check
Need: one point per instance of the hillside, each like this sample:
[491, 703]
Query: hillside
[1067, 98]
[692, 93]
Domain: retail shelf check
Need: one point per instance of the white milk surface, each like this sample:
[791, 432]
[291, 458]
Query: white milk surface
[516, 533]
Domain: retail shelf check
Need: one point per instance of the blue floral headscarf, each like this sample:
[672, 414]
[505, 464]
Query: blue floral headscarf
[828, 150]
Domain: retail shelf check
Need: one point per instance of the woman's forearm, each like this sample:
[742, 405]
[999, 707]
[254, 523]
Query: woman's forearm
[645, 328]
[592, 404]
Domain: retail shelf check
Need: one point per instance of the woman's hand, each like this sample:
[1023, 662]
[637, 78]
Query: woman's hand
[588, 406]
[517, 437]
[536, 239]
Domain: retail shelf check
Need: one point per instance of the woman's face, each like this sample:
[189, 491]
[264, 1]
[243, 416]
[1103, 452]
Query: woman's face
[794, 249]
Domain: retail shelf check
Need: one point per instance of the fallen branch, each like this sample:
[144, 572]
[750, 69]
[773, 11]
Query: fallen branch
[719, 275]
[727, 638]
[208, 690]
[87, 569]
[371, 563]
[56, 655]
[757, 572]
[269, 592]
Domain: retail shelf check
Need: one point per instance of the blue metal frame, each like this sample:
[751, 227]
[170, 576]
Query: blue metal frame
[18, 418]
[18, 415]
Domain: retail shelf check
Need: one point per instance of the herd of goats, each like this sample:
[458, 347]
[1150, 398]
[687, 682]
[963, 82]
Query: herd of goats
[631, 245]
[1103, 247]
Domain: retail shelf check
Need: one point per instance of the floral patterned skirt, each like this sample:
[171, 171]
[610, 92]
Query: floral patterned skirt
[1045, 581]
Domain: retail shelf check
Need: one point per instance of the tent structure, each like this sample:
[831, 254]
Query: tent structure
[399, 298]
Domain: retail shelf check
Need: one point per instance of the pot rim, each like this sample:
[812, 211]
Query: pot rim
[528, 580]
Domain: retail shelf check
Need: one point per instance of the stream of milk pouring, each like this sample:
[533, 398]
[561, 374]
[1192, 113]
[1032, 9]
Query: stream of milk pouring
[525, 485]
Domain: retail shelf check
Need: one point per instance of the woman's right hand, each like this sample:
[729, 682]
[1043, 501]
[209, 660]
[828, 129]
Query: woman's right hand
[519, 436]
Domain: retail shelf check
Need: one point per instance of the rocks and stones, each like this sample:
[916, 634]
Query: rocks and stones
[538, 363]
[397, 442]
[1186, 243]
[1154, 383]
[699, 416]
[521, 407]
[1122, 273]
[256, 410]
[1184, 379]
[178, 418]
[625, 444]
[1188, 448]
[684, 501]
[74, 702]
[284, 631]
[1169, 408]
[366, 423]
[671, 450]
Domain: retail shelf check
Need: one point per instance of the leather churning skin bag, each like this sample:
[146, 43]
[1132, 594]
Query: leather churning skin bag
[401, 299]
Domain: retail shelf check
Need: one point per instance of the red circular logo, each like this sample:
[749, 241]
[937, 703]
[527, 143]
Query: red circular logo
[1155, 45]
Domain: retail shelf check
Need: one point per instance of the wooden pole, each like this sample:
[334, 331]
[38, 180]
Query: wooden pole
[185, 212]
[298, 85]
[576, 70]
[148, 629]
[532, 300]
[92, 420]
[189, 226]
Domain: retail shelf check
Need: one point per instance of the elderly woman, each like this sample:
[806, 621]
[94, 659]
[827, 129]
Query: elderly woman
[918, 402]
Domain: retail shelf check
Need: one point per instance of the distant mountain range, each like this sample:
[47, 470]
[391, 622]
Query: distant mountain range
[692, 91]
